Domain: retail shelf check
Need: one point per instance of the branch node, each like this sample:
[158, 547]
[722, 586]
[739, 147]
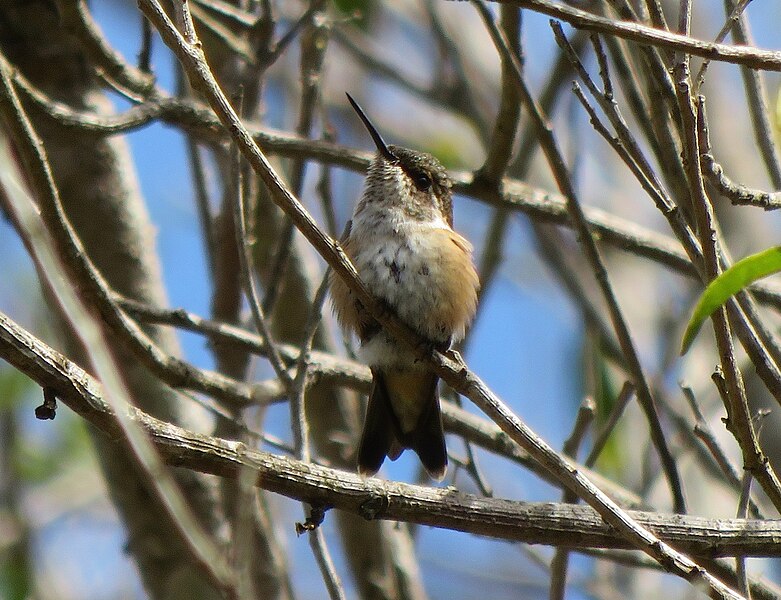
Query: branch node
[374, 507]
[314, 520]
[48, 410]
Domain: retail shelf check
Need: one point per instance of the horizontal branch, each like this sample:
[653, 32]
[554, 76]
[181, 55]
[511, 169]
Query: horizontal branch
[564, 525]
[519, 196]
[738, 194]
[537, 203]
[756, 58]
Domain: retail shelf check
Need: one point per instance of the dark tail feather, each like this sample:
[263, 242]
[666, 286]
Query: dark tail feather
[429, 440]
[378, 429]
[383, 433]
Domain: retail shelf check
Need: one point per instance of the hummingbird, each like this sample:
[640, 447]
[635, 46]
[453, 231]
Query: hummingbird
[402, 243]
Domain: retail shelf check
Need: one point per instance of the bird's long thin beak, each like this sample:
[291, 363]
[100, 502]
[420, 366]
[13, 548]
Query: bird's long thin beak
[378, 141]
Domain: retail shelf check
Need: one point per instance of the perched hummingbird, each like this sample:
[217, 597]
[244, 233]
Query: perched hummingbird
[402, 243]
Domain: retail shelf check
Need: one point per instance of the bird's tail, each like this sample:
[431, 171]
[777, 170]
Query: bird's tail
[403, 412]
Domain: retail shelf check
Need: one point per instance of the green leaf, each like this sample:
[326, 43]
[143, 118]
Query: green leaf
[729, 283]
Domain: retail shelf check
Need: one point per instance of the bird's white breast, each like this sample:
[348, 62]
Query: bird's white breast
[398, 261]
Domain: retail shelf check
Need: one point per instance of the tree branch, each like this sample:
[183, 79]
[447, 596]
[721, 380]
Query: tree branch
[537, 203]
[564, 525]
[743, 55]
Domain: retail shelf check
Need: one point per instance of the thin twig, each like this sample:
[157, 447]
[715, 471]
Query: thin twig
[202, 201]
[324, 182]
[705, 434]
[248, 273]
[456, 96]
[738, 194]
[237, 17]
[644, 70]
[740, 561]
[311, 15]
[314, 43]
[301, 439]
[225, 34]
[560, 560]
[756, 93]
[77, 19]
[458, 80]
[494, 240]
[553, 247]
[145, 53]
[624, 397]
[326, 564]
[736, 11]
[500, 146]
[751, 57]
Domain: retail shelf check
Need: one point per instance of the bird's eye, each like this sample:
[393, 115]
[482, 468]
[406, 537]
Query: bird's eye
[422, 181]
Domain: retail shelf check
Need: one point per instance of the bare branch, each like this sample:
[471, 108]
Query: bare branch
[750, 57]
[77, 19]
[564, 525]
[738, 194]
